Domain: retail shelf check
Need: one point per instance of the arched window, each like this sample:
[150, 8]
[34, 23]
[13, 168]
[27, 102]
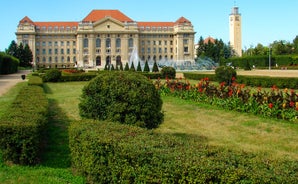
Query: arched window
[62, 59]
[74, 59]
[118, 60]
[98, 61]
[68, 59]
[154, 57]
[37, 60]
[56, 59]
[160, 57]
[108, 60]
[86, 42]
[108, 43]
[98, 43]
[118, 42]
[50, 59]
[130, 42]
[86, 59]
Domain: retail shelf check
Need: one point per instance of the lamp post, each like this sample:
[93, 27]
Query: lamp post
[269, 57]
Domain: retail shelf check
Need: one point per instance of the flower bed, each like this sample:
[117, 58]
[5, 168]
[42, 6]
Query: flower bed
[276, 103]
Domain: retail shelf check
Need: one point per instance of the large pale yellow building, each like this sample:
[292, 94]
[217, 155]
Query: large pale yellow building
[236, 31]
[105, 37]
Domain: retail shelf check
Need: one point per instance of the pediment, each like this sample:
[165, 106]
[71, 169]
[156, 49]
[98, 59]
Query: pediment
[108, 24]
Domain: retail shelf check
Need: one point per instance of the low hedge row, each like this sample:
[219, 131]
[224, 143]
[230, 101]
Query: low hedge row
[254, 81]
[199, 76]
[35, 80]
[114, 153]
[267, 82]
[21, 128]
[77, 77]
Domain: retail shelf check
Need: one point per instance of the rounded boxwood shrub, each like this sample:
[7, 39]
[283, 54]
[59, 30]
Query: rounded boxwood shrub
[225, 74]
[169, 72]
[122, 96]
[52, 75]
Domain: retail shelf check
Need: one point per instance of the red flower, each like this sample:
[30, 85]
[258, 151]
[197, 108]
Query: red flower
[292, 104]
[270, 105]
[230, 92]
[233, 78]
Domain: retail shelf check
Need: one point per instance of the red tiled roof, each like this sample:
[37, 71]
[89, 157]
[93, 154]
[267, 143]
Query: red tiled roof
[26, 19]
[59, 24]
[209, 39]
[96, 15]
[182, 20]
[155, 24]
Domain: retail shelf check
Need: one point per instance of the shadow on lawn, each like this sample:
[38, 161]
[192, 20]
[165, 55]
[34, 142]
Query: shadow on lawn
[56, 153]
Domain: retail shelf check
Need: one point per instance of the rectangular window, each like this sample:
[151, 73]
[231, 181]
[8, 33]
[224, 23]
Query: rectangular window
[56, 43]
[73, 51]
[185, 41]
[43, 51]
[62, 51]
[185, 49]
[154, 50]
[68, 51]
[37, 51]
[56, 51]
[148, 50]
[49, 44]
[50, 51]
[62, 43]
[43, 44]
[159, 50]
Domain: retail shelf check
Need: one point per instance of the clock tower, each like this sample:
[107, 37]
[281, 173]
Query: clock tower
[235, 31]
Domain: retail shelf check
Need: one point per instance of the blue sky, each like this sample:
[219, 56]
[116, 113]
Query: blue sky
[263, 21]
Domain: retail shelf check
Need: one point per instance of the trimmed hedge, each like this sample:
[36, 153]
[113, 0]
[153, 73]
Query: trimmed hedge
[78, 77]
[21, 128]
[35, 80]
[199, 76]
[121, 96]
[106, 152]
[263, 61]
[254, 81]
[8, 64]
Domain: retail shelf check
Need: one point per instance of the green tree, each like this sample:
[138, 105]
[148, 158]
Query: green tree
[126, 68]
[132, 67]
[27, 57]
[155, 67]
[146, 67]
[139, 69]
[295, 45]
[12, 49]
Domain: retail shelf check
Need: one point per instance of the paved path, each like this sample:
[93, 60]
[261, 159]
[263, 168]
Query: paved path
[10, 80]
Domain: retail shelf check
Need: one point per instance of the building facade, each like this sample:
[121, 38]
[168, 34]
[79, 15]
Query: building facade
[235, 31]
[105, 37]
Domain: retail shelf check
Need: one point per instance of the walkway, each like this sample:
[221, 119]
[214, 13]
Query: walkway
[10, 80]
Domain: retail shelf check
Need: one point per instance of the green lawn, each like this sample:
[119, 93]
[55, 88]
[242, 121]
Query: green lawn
[218, 127]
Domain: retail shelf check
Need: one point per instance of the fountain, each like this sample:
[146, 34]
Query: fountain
[202, 63]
